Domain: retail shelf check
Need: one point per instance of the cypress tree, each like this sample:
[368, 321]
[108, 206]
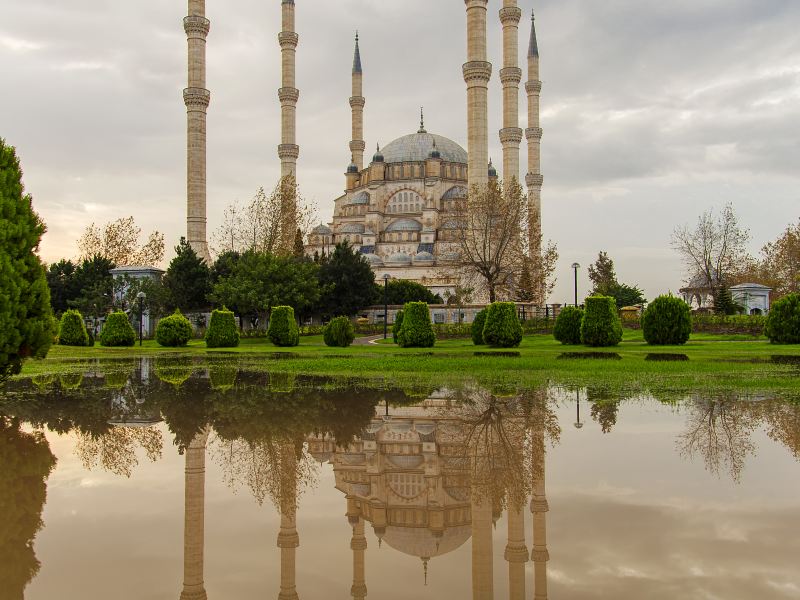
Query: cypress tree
[26, 323]
[187, 279]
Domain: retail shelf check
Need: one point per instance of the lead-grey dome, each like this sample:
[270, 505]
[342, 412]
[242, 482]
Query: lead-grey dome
[399, 258]
[404, 225]
[417, 147]
[352, 228]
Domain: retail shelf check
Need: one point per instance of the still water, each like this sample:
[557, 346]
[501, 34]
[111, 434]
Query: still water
[151, 481]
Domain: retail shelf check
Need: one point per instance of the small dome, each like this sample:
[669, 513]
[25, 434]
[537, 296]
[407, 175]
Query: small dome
[423, 257]
[458, 192]
[399, 259]
[373, 259]
[352, 228]
[353, 168]
[360, 198]
[404, 225]
[492, 170]
[378, 156]
[322, 230]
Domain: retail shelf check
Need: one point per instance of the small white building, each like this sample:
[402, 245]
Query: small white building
[136, 272]
[753, 296]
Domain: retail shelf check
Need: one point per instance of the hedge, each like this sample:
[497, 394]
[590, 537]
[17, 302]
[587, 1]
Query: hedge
[398, 324]
[339, 333]
[783, 321]
[502, 328]
[174, 331]
[667, 321]
[283, 330]
[416, 330]
[117, 331]
[568, 326]
[601, 325]
[476, 330]
[72, 330]
[222, 331]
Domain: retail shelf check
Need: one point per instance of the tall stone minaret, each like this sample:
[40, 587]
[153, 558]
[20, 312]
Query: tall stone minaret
[197, 98]
[534, 178]
[288, 151]
[194, 519]
[288, 539]
[357, 102]
[539, 508]
[510, 76]
[477, 73]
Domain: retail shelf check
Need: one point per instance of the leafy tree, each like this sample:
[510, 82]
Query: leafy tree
[118, 241]
[526, 287]
[602, 273]
[63, 285]
[347, 283]
[26, 319]
[402, 291]
[157, 301]
[778, 266]
[187, 279]
[623, 294]
[783, 322]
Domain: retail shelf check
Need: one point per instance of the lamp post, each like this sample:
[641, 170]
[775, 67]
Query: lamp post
[141, 298]
[386, 278]
[575, 267]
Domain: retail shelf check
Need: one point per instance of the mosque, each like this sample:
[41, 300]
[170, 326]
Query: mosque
[398, 210]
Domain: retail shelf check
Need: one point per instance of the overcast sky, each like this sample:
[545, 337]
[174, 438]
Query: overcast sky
[653, 111]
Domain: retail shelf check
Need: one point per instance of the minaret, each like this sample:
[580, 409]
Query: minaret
[197, 98]
[534, 178]
[194, 519]
[357, 102]
[539, 508]
[288, 151]
[288, 539]
[477, 73]
[510, 76]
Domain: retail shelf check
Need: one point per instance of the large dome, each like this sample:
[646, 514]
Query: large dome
[416, 147]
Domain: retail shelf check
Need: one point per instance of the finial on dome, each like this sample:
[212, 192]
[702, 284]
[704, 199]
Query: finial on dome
[422, 120]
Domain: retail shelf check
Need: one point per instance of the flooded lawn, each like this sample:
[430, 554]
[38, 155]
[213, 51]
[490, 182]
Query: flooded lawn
[159, 480]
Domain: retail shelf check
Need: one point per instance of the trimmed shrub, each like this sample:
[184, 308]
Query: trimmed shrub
[117, 331]
[339, 333]
[416, 330]
[667, 321]
[174, 331]
[283, 330]
[477, 328]
[783, 321]
[601, 325]
[72, 330]
[222, 331]
[502, 328]
[567, 329]
[398, 324]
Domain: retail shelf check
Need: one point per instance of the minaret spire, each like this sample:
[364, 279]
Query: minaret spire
[357, 102]
[196, 98]
[477, 73]
[534, 179]
[510, 76]
[288, 94]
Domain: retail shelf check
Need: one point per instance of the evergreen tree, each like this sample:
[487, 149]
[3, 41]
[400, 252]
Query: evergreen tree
[26, 324]
[347, 283]
[299, 246]
[187, 279]
[63, 285]
[95, 283]
[526, 290]
[402, 291]
[602, 271]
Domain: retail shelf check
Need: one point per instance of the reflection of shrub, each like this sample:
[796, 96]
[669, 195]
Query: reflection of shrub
[416, 330]
[339, 332]
[477, 328]
[117, 332]
[283, 330]
[223, 377]
[72, 330]
[667, 321]
[783, 321]
[281, 382]
[70, 381]
[174, 331]
[43, 381]
[116, 379]
[568, 325]
[222, 331]
[175, 371]
[397, 325]
[502, 328]
[601, 325]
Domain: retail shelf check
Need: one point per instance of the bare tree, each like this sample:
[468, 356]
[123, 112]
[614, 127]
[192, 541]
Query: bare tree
[118, 241]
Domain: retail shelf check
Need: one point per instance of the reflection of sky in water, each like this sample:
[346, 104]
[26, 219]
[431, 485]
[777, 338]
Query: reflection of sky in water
[630, 517]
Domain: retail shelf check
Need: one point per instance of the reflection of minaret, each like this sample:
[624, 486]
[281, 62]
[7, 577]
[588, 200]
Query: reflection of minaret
[194, 519]
[288, 540]
[539, 508]
[482, 523]
[516, 553]
[358, 544]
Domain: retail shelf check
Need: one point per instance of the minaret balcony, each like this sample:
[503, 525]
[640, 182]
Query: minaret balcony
[533, 87]
[511, 75]
[477, 72]
[289, 94]
[288, 40]
[534, 133]
[196, 26]
[511, 135]
[288, 151]
[196, 98]
[357, 101]
[533, 180]
[510, 15]
[358, 146]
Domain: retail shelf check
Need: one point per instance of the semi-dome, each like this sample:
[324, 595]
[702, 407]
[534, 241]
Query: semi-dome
[360, 198]
[417, 147]
[352, 228]
[404, 225]
[373, 260]
[399, 258]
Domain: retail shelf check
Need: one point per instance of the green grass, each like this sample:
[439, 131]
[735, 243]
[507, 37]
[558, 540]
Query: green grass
[715, 362]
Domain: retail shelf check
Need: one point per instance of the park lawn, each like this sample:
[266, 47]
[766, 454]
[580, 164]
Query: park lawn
[714, 362]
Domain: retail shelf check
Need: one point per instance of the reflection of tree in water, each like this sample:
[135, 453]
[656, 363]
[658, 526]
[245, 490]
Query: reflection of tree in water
[605, 406]
[115, 450]
[783, 424]
[25, 464]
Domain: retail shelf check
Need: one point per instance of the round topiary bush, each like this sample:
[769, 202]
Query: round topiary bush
[174, 331]
[783, 321]
[72, 330]
[567, 329]
[283, 330]
[667, 321]
[477, 328]
[502, 328]
[117, 331]
[397, 325]
[601, 325]
[339, 332]
[222, 331]
[417, 329]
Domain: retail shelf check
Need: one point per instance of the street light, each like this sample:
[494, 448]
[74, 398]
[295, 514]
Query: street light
[141, 297]
[575, 267]
[386, 278]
